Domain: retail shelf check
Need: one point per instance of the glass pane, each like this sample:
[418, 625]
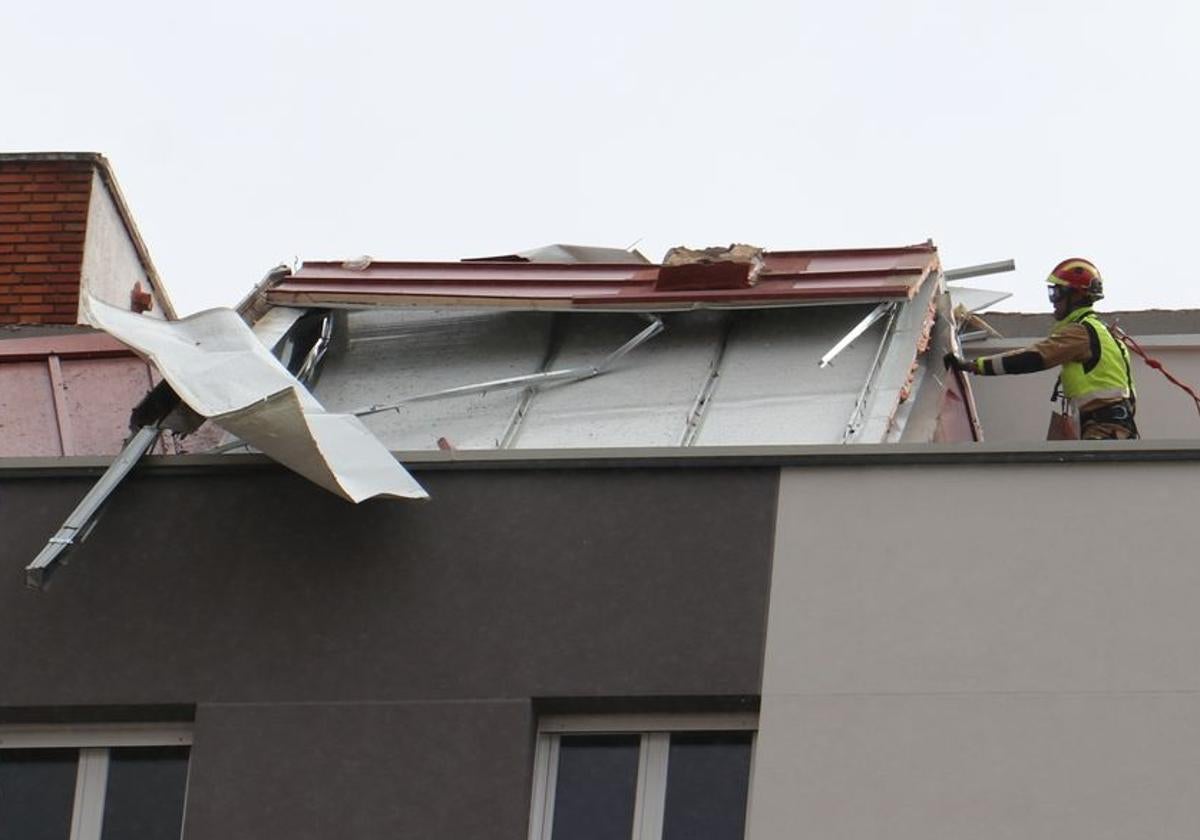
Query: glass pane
[37, 793]
[597, 783]
[144, 800]
[708, 780]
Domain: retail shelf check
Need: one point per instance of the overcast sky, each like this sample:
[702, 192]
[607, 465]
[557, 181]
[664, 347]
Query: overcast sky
[244, 135]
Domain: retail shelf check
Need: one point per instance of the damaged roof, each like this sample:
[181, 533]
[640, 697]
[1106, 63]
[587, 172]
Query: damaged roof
[497, 354]
[331, 369]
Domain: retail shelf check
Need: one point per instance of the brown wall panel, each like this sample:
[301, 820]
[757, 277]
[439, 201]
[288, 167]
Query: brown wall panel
[453, 770]
[254, 586]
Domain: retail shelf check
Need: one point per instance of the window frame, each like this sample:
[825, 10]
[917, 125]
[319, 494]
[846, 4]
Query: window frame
[649, 808]
[93, 742]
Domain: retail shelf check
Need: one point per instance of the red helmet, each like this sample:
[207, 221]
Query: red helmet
[1078, 274]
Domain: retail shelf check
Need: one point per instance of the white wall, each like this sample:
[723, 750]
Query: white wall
[110, 261]
[983, 651]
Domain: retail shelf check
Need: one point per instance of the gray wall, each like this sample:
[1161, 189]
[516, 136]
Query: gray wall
[342, 658]
[985, 651]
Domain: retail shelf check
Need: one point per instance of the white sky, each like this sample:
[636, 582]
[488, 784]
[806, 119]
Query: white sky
[244, 135]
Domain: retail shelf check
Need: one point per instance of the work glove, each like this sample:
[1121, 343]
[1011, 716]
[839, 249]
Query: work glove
[952, 361]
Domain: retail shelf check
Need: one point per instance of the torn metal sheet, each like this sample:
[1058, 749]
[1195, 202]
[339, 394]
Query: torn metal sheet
[562, 253]
[976, 300]
[274, 325]
[221, 370]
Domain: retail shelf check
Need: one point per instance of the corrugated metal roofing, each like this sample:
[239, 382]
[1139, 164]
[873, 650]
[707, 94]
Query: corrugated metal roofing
[788, 278]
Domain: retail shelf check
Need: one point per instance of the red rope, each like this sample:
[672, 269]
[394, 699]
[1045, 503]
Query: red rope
[1152, 362]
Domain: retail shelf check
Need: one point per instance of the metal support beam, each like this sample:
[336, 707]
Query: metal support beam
[518, 416]
[860, 405]
[78, 524]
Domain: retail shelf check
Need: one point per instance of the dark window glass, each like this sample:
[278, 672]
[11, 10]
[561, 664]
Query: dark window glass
[708, 780]
[597, 784]
[37, 793]
[144, 800]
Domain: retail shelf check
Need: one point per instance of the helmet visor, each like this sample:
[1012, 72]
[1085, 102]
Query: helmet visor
[1056, 293]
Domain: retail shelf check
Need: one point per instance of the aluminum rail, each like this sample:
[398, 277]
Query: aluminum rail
[855, 423]
[517, 419]
[860, 328]
[700, 406]
[78, 525]
[979, 270]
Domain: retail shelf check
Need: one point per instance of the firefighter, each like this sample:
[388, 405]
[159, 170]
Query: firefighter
[1095, 379]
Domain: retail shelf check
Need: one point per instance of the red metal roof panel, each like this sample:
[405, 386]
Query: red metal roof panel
[788, 277]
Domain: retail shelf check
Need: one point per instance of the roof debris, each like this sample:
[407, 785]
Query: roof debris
[217, 365]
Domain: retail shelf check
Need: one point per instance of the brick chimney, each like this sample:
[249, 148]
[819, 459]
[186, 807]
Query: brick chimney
[65, 226]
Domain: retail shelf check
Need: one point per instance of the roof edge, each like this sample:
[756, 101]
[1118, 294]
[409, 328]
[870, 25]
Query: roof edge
[87, 157]
[831, 455]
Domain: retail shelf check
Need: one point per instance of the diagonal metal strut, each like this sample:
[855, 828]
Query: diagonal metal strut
[76, 527]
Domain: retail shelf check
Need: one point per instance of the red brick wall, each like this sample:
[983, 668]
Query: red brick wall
[43, 216]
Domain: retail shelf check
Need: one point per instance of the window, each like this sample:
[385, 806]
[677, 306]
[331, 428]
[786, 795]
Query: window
[93, 782]
[617, 777]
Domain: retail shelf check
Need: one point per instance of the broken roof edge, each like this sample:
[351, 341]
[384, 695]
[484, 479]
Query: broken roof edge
[567, 253]
[926, 247]
[798, 278]
[107, 176]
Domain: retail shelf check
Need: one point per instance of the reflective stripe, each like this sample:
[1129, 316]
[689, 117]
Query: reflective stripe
[1101, 394]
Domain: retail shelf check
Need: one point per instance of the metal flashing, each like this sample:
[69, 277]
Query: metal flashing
[73, 345]
[967, 455]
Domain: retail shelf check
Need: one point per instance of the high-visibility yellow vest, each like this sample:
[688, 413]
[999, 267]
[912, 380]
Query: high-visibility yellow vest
[1110, 377]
